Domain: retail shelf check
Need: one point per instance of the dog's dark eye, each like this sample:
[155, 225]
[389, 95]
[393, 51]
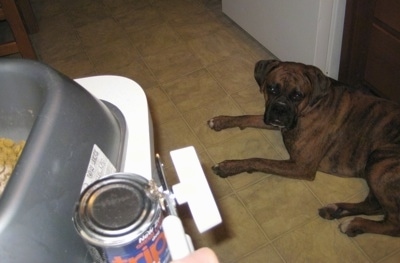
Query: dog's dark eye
[273, 89]
[296, 96]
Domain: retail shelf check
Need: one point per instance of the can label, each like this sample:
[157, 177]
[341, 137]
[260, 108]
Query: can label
[150, 247]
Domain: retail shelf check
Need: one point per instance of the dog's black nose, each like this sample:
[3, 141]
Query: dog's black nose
[280, 113]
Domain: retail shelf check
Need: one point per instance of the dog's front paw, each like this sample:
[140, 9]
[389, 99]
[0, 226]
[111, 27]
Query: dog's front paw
[218, 170]
[350, 228]
[218, 123]
[211, 123]
[225, 169]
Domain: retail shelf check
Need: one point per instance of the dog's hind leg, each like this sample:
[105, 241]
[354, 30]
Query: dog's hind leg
[358, 225]
[383, 177]
[370, 206]
[390, 225]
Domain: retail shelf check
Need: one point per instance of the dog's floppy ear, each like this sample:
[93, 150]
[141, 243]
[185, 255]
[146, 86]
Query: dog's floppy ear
[319, 82]
[262, 68]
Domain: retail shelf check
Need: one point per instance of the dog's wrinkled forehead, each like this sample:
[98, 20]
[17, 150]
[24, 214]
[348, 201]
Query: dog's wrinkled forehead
[288, 76]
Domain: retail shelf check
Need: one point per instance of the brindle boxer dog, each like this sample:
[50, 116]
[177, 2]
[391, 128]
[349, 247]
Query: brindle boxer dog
[330, 127]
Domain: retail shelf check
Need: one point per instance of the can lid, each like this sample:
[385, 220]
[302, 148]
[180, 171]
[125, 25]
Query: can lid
[115, 206]
[116, 209]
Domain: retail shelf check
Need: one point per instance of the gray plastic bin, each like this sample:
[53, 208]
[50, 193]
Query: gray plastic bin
[60, 122]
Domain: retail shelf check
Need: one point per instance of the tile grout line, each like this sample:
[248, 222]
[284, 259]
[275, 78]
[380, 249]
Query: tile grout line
[269, 240]
[396, 252]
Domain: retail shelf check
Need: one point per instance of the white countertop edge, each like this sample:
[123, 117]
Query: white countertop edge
[130, 98]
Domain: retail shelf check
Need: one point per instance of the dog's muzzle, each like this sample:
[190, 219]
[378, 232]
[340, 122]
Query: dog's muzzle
[281, 113]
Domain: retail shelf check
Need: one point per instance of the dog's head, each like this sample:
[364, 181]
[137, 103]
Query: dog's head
[289, 89]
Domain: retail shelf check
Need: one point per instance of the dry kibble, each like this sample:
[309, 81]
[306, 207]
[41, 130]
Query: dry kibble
[9, 154]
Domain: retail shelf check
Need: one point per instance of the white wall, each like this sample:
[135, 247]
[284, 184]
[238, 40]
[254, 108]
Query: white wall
[307, 31]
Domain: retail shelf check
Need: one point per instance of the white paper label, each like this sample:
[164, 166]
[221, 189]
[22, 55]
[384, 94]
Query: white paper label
[99, 166]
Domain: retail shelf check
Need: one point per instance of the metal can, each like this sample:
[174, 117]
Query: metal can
[119, 217]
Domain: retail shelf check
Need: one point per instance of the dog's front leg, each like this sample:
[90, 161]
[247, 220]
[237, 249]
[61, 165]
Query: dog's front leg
[285, 168]
[246, 121]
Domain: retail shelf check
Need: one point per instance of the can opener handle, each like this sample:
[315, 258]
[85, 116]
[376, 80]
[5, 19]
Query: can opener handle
[192, 189]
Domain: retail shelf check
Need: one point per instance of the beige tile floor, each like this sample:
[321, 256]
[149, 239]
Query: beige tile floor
[194, 63]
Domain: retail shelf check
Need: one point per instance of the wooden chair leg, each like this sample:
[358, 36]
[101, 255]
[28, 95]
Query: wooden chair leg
[22, 41]
[28, 16]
